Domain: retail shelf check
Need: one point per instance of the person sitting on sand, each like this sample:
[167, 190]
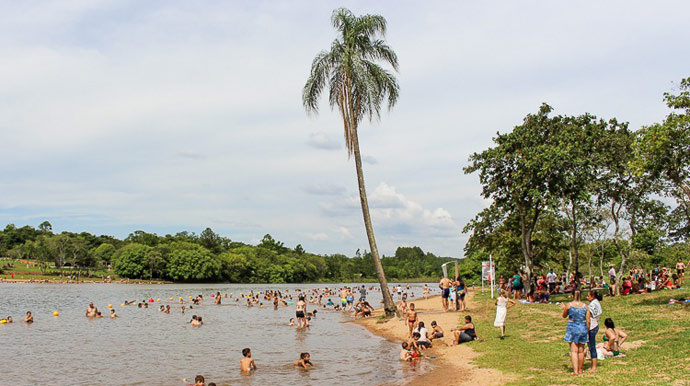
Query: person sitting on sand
[112, 313]
[304, 361]
[411, 318]
[465, 333]
[413, 346]
[423, 340]
[436, 331]
[247, 364]
[29, 317]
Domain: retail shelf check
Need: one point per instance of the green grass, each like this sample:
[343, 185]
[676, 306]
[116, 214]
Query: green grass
[533, 352]
[22, 272]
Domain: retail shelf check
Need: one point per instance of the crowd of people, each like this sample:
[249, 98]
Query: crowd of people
[635, 281]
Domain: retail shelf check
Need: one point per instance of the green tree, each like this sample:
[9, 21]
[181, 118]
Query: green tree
[520, 175]
[104, 253]
[130, 260]
[191, 262]
[357, 86]
[46, 227]
[211, 240]
[663, 151]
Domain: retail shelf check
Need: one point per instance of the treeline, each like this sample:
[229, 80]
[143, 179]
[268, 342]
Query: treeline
[578, 193]
[208, 257]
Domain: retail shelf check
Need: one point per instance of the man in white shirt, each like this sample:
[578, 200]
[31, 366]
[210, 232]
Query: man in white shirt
[551, 278]
[612, 274]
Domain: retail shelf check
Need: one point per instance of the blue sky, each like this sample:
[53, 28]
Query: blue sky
[175, 115]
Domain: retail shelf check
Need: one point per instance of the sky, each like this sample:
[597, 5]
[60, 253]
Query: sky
[166, 116]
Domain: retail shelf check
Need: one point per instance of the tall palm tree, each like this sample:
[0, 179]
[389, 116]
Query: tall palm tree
[357, 86]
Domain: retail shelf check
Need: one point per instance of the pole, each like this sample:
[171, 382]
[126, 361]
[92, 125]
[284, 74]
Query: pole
[491, 275]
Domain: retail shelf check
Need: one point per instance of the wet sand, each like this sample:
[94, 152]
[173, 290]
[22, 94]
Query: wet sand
[453, 364]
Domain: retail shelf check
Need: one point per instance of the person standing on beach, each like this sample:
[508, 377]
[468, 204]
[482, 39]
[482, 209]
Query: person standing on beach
[444, 285]
[412, 319]
[502, 304]
[300, 312]
[425, 292]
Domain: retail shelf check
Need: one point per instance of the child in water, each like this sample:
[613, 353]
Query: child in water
[304, 360]
[405, 354]
[199, 380]
[247, 363]
[112, 313]
[292, 322]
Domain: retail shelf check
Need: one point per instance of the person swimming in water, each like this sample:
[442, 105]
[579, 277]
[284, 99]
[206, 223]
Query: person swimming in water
[113, 314]
[304, 361]
[91, 311]
[218, 298]
[29, 317]
[247, 363]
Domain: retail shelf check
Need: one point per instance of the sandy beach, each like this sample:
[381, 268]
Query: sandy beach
[453, 364]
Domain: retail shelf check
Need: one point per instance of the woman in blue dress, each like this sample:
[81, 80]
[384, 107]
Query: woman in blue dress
[576, 334]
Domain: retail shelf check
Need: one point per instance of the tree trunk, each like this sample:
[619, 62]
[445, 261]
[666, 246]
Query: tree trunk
[388, 304]
[601, 263]
[573, 242]
[526, 241]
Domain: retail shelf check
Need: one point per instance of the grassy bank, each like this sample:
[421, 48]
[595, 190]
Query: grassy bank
[534, 351]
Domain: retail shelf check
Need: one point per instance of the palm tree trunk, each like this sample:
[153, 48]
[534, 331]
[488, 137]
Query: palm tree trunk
[388, 304]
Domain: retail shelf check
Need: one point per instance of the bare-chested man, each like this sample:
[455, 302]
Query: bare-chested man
[444, 285]
[91, 311]
[412, 319]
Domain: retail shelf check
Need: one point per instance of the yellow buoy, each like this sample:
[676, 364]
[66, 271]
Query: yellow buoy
[171, 298]
[56, 313]
[190, 297]
[158, 300]
[110, 306]
[3, 321]
[122, 304]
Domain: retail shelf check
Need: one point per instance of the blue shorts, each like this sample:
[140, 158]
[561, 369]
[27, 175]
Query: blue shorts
[446, 293]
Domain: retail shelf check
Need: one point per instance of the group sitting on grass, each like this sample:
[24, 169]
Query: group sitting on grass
[637, 281]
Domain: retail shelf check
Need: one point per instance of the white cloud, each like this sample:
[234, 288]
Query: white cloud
[318, 236]
[170, 116]
[321, 140]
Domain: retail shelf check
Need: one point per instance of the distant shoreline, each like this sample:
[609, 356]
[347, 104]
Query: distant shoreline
[38, 279]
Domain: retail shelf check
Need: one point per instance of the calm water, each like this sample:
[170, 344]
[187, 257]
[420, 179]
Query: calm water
[145, 346]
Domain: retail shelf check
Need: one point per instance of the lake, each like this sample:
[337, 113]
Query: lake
[145, 346]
